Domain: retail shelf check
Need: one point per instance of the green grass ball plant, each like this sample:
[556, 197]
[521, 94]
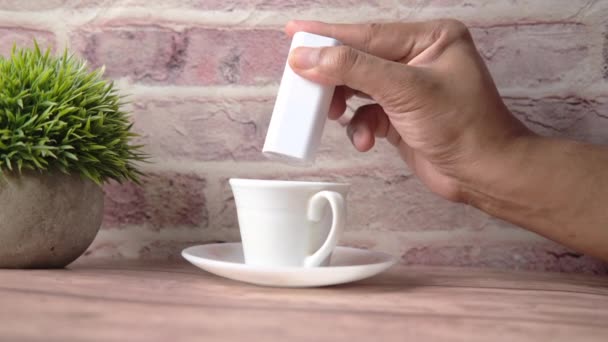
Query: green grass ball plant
[55, 114]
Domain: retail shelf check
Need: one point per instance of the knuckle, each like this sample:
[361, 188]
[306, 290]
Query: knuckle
[455, 26]
[453, 29]
[341, 58]
[372, 30]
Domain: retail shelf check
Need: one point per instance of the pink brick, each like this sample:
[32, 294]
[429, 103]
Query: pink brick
[529, 55]
[248, 57]
[198, 56]
[381, 201]
[206, 130]
[144, 53]
[39, 5]
[166, 250]
[44, 5]
[572, 117]
[142, 249]
[24, 38]
[531, 256]
[282, 4]
[203, 130]
[163, 201]
[232, 5]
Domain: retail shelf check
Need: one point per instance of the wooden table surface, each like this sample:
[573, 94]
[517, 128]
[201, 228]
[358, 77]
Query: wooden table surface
[120, 302]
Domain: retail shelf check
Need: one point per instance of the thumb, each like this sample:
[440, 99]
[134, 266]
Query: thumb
[382, 79]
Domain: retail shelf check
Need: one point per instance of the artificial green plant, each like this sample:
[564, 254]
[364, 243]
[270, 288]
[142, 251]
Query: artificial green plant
[56, 114]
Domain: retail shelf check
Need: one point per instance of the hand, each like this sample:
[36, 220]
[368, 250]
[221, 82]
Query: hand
[435, 99]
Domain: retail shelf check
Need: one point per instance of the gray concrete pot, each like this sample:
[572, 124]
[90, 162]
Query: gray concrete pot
[47, 220]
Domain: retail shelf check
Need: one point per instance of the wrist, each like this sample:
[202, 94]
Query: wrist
[537, 181]
[491, 149]
[490, 182]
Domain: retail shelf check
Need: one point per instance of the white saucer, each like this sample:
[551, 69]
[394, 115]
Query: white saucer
[346, 265]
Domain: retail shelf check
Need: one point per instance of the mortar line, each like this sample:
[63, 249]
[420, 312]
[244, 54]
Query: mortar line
[455, 237]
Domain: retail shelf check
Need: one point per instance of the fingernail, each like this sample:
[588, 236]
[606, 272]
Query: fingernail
[357, 136]
[305, 58]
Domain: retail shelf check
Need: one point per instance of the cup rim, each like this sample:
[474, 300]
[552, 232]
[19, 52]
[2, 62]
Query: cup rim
[276, 183]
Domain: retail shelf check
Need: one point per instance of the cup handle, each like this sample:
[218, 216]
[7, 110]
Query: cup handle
[315, 212]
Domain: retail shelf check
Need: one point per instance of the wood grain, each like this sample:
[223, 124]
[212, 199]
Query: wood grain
[147, 302]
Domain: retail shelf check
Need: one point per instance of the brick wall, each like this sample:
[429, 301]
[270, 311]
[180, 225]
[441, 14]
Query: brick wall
[203, 75]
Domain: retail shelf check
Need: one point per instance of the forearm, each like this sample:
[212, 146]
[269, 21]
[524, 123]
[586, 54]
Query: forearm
[556, 188]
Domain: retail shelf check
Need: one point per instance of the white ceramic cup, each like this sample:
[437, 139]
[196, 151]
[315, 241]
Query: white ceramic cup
[288, 223]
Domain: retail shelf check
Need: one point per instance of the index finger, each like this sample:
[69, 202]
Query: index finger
[392, 41]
